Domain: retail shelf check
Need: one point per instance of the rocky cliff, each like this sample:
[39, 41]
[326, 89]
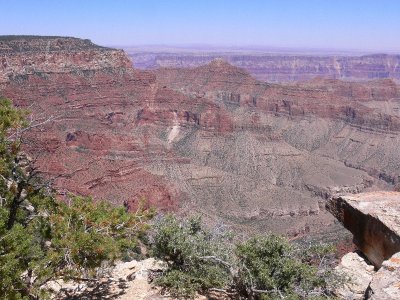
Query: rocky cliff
[374, 221]
[278, 67]
[365, 110]
[21, 56]
[373, 218]
[95, 97]
[210, 140]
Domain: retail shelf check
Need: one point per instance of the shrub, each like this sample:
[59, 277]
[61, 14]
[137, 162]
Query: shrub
[271, 268]
[85, 234]
[195, 256]
[267, 267]
[59, 240]
[42, 239]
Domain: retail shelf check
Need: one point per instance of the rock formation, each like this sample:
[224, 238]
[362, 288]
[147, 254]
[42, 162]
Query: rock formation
[374, 220]
[278, 67]
[210, 140]
[385, 283]
[351, 102]
[21, 56]
[358, 275]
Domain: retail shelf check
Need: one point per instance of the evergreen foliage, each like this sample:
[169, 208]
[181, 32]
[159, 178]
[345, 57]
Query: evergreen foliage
[265, 267]
[42, 239]
[189, 251]
[269, 267]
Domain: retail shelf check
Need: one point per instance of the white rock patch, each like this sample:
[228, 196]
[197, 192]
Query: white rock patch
[175, 129]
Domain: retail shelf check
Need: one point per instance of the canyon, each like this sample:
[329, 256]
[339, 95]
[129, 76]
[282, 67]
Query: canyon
[274, 65]
[210, 139]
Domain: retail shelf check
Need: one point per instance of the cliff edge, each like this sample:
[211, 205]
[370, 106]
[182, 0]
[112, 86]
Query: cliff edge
[374, 220]
[27, 55]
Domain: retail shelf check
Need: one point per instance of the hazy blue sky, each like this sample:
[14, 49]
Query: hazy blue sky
[340, 24]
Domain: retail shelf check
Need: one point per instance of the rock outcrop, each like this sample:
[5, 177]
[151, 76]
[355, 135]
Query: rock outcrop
[374, 220]
[357, 274]
[362, 282]
[21, 56]
[124, 281]
[385, 283]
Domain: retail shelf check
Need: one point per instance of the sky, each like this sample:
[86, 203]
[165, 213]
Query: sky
[312, 24]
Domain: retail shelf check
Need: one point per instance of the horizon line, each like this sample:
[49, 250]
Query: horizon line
[254, 48]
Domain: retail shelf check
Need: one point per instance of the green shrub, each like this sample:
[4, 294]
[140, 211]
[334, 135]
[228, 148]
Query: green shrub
[267, 267]
[42, 239]
[85, 234]
[270, 268]
[190, 252]
[62, 240]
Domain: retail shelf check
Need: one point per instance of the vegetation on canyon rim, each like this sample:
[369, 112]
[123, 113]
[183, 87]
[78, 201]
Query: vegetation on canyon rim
[262, 267]
[42, 239]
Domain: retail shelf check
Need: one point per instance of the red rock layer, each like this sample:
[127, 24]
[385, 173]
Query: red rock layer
[211, 140]
[347, 101]
[101, 138]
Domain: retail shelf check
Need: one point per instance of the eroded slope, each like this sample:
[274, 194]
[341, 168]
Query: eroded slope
[211, 140]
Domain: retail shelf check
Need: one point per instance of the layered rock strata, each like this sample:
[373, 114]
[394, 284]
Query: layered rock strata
[42, 56]
[278, 67]
[212, 140]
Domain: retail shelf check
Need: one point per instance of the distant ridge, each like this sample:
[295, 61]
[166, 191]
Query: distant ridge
[32, 37]
[280, 67]
[33, 43]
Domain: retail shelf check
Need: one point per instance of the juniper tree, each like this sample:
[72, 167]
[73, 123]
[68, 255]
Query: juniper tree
[41, 238]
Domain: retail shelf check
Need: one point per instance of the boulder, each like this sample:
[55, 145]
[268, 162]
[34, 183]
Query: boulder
[385, 284]
[374, 220]
[358, 274]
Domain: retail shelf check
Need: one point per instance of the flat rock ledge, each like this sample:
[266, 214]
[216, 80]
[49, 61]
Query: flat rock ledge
[374, 220]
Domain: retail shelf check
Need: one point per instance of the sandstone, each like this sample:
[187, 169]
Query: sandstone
[357, 274]
[385, 284]
[374, 220]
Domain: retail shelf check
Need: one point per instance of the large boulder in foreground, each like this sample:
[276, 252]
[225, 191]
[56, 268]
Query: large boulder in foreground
[385, 283]
[374, 220]
[358, 273]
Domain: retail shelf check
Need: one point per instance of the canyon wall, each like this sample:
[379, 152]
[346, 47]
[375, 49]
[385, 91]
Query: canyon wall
[279, 67]
[211, 140]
